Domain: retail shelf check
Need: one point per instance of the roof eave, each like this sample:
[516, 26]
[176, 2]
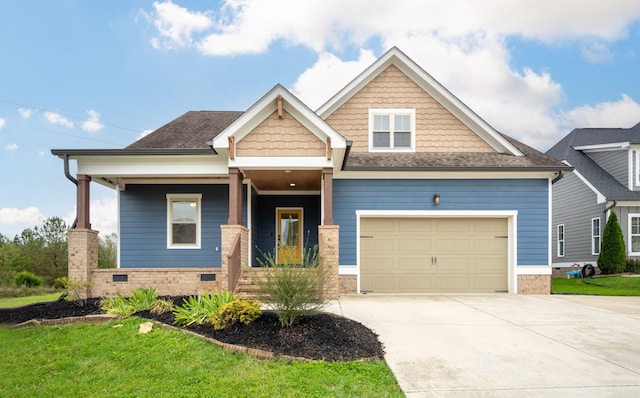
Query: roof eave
[461, 168]
[133, 152]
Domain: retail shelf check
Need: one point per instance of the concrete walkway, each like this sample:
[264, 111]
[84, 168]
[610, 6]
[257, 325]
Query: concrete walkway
[504, 345]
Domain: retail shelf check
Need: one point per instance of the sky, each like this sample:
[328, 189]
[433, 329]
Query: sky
[79, 74]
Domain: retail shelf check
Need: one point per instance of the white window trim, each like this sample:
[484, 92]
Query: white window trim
[197, 197]
[563, 240]
[392, 112]
[596, 250]
[637, 168]
[630, 236]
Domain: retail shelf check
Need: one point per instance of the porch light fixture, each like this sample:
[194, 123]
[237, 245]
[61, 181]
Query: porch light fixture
[292, 185]
[436, 199]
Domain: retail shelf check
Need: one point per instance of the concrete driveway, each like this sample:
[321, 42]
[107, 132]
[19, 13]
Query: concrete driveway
[504, 345]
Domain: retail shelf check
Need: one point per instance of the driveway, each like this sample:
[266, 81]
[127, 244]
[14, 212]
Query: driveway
[503, 345]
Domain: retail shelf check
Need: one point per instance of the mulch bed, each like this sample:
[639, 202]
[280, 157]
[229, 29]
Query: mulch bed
[321, 337]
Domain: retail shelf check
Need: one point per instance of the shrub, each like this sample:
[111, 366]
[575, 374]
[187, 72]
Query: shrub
[27, 279]
[77, 290]
[239, 310]
[293, 290]
[160, 306]
[117, 305]
[613, 257]
[58, 283]
[142, 299]
[203, 308]
[633, 265]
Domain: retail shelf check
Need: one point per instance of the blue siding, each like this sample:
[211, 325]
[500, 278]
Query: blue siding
[143, 226]
[266, 219]
[529, 197]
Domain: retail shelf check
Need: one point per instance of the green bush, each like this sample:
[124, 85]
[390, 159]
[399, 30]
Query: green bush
[613, 254]
[160, 306]
[293, 290]
[117, 305]
[59, 283]
[239, 310]
[141, 300]
[203, 308]
[76, 289]
[27, 279]
[633, 265]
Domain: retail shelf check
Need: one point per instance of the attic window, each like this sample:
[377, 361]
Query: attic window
[392, 130]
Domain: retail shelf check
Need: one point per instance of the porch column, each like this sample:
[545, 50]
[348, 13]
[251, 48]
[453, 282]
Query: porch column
[327, 181]
[84, 221]
[83, 257]
[235, 196]
[328, 251]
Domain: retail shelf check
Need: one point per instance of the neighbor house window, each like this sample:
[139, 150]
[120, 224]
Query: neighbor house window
[634, 233]
[561, 240]
[595, 236]
[183, 221]
[392, 129]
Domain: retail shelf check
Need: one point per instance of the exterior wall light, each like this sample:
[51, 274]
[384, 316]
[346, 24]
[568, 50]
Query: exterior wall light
[436, 199]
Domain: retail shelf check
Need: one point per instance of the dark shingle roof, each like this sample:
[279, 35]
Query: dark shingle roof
[193, 130]
[532, 159]
[604, 182]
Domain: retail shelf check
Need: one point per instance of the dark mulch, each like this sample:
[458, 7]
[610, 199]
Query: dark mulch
[322, 336]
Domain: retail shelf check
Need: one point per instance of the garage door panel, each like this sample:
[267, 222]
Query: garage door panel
[433, 255]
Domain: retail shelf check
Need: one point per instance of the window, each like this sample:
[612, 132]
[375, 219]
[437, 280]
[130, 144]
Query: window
[634, 233]
[183, 221]
[561, 240]
[392, 129]
[595, 236]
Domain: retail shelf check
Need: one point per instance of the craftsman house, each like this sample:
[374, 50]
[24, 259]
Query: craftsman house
[401, 185]
[606, 177]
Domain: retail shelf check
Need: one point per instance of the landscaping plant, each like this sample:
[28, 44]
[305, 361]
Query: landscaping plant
[27, 279]
[292, 290]
[142, 299]
[203, 308]
[238, 310]
[613, 254]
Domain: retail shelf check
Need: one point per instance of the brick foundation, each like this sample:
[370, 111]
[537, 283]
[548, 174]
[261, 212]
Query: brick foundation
[168, 281]
[228, 235]
[534, 284]
[348, 284]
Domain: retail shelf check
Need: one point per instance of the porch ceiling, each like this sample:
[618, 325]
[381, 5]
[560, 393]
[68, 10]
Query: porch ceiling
[281, 180]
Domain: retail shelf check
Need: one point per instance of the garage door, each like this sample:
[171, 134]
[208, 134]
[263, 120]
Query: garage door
[433, 255]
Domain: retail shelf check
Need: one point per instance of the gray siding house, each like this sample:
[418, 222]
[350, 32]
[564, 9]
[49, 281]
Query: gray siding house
[401, 185]
[606, 178]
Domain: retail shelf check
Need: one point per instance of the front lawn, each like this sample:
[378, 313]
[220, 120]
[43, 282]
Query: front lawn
[10, 302]
[113, 360]
[609, 286]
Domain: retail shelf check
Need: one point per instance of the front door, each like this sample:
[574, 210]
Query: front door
[289, 228]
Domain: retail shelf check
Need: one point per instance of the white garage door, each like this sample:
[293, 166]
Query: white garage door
[433, 255]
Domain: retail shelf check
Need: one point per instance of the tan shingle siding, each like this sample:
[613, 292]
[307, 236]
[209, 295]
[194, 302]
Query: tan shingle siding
[437, 129]
[280, 137]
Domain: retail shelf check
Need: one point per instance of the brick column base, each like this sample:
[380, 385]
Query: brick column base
[83, 255]
[328, 250]
[229, 233]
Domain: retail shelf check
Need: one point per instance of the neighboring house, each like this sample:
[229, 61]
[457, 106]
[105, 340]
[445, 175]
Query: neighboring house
[404, 188]
[606, 177]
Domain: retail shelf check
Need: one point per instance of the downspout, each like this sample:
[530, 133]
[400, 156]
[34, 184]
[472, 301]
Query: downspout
[73, 180]
[558, 177]
[606, 210]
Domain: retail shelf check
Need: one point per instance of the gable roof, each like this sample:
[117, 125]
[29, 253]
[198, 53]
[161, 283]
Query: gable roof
[265, 106]
[193, 130]
[430, 85]
[590, 138]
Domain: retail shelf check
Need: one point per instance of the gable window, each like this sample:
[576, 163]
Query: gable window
[560, 240]
[392, 130]
[183, 221]
[595, 236]
[634, 234]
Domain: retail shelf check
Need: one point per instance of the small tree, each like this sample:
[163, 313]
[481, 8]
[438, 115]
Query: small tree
[613, 253]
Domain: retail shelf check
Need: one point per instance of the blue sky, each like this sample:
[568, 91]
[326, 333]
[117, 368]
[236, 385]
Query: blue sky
[79, 74]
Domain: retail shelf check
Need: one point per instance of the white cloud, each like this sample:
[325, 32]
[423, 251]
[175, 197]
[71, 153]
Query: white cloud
[11, 147]
[145, 133]
[623, 113]
[25, 113]
[92, 125]
[314, 87]
[3, 123]
[28, 217]
[56, 118]
[596, 52]
[103, 214]
[176, 25]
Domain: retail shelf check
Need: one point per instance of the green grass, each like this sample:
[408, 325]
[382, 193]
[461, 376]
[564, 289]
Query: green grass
[109, 361]
[9, 302]
[613, 286]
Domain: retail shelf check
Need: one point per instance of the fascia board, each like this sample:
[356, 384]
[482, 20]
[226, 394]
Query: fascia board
[441, 174]
[614, 146]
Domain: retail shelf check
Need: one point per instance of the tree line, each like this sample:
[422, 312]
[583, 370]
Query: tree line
[42, 250]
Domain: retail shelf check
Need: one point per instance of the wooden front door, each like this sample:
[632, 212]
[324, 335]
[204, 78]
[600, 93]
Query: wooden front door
[289, 228]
